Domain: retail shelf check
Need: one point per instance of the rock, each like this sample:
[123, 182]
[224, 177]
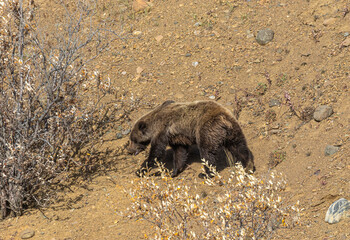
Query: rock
[345, 43]
[250, 34]
[139, 5]
[337, 211]
[329, 21]
[119, 136]
[188, 55]
[139, 70]
[274, 102]
[322, 112]
[212, 97]
[126, 131]
[159, 38]
[194, 64]
[27, 233]
[264, 36]
[136, 33]
[179, 95]
[330, 150]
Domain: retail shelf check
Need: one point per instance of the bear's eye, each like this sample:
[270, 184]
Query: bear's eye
[144, 142]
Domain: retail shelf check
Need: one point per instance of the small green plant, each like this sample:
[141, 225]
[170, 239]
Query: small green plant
[307, 114]
[281, 79]
[270, 116]
[261, 88]
[276, 157]
[244, 17]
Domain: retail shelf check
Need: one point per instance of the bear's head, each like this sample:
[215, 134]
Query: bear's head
[140, 137]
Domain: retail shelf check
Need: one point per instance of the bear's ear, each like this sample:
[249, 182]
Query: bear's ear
[166, 103]
[142, 126]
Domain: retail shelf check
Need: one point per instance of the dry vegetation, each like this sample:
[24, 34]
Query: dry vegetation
[247, 207]
[75, 75]
[46, 118]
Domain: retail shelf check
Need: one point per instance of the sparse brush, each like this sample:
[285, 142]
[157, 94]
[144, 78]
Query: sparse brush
[243, 206]
[49, 106]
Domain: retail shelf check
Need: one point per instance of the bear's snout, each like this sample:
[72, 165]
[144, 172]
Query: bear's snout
[134, 148]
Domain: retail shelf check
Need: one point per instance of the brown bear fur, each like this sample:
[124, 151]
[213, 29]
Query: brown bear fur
[179, 125]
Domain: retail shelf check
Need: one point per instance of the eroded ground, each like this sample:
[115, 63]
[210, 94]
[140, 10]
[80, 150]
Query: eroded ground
[195, 50]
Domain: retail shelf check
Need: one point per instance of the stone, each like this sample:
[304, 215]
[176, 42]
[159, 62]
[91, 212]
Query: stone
[27, 233]
[330, 150]
[338, 210]
[250, 34]
[274, 102]
[139, 5]
[119, 136]
[329, 21]
[264, 36]
[179, 95]
[159, 38]
[126, 131]
[345, 43]
[136, 33]
[322, 112]
[139, 70]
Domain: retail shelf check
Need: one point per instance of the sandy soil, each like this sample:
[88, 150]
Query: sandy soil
[196, 50]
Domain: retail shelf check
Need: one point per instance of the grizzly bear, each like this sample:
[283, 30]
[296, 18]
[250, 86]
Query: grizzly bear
[179, 125]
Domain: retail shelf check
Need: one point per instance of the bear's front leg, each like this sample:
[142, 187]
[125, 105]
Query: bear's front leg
[157, 151]
[179, 159]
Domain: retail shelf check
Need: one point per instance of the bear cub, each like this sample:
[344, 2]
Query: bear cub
[207, 124]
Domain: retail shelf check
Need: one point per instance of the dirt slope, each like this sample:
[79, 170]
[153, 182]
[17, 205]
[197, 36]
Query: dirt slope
[193, 50]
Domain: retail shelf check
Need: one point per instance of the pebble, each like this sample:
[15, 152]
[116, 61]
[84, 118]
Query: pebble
[139, 70]
[197, 32]
[250, 34]
[194, 64]
[329, 21]
[136, 33]
[264, 36]
[139, 5]
[330, 150]
[179, 95]
[27, 233]
[322, 112]
[346, 34]
[345, 43]
[159, 38]
[119, 135]
[212, 97]
[274, 102]
[188, 55]
[337, 211]
[126, 131]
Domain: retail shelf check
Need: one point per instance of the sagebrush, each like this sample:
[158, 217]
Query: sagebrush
[50, 97]
[240, 206]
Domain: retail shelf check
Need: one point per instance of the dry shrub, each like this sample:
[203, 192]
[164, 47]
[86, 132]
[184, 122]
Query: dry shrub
[50, 104]
[239, 207]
